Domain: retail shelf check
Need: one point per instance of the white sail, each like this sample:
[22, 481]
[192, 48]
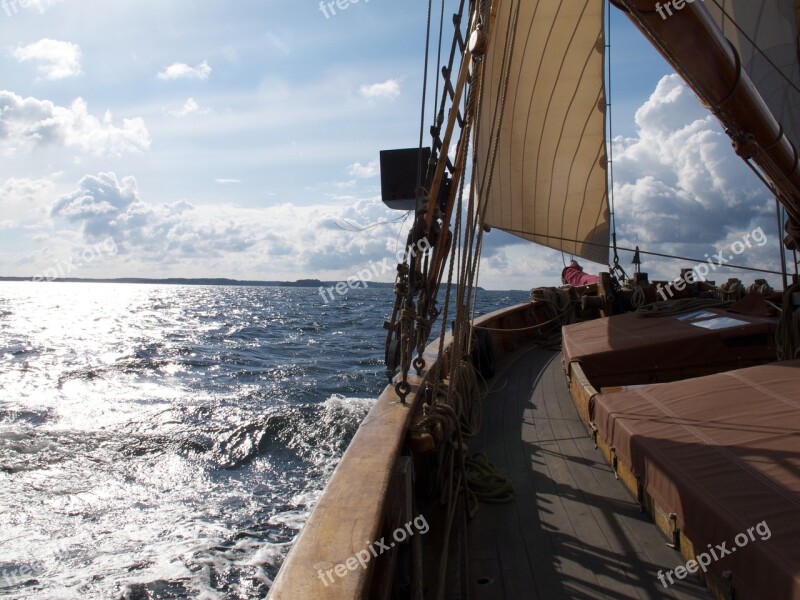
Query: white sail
[764, 33]
[549, 183]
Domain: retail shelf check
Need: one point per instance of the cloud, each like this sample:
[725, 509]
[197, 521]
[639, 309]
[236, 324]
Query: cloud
[23, 200]
[58, 60]
[679, 189]
[281, 241]
[679, 181]
[388, 89]
[29, 122]
[276, 45]
[190, 107]
[228, 181]
[184, 71]
[364, 171]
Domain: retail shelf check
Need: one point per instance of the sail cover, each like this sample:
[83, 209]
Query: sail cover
[764, 32]
[549, 181]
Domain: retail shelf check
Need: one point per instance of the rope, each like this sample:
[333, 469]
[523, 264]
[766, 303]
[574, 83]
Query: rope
[486, 483]
[760, 287]
[733, 289]
[639, 298]
[610, 138]
[787, 337]
[763, 54]
[558, 317]
[657, 254]
[558, 306]
[461, 406]
[676, 307]
[424, 97]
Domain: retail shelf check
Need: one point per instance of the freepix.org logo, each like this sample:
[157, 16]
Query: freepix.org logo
[329, 7]
[670, 8]
[12, 7]
[372, 272]
[700, 271]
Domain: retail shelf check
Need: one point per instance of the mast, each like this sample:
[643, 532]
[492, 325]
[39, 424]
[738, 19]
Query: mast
[692, 42]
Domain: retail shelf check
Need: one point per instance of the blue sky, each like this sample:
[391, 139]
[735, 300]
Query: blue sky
[236, 139]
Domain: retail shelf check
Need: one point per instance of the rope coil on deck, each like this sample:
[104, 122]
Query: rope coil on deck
[485, 482]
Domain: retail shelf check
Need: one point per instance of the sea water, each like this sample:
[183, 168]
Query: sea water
[170, 441]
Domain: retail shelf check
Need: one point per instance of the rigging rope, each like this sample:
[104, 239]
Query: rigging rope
[527, 235]
[438, 66]
[756, 46]
[610, 143]
[424, 98]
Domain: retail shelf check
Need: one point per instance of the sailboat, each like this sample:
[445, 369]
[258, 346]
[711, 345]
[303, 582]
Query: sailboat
[604, 440]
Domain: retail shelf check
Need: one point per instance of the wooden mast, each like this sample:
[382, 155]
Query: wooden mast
[692, 43]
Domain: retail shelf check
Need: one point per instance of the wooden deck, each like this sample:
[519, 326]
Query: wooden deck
[573, 531]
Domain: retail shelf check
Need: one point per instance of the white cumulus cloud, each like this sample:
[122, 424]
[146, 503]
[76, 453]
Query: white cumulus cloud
[184, 71]
[190, 107]
[56, 59]
[679, 181]
[281, 241]
[388, 89]
[360, 171]
[679, 189]
[30, 122]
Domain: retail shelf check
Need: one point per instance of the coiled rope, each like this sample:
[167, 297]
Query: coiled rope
[760, 287]
[485, 482]
[733, 289]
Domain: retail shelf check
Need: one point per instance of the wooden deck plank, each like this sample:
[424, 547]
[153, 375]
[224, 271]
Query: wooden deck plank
[573, 530]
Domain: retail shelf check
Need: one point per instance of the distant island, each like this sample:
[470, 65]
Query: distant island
[301, 283]
[305, 283]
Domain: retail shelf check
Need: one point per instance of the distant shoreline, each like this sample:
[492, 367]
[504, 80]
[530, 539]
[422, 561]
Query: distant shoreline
[305, 283]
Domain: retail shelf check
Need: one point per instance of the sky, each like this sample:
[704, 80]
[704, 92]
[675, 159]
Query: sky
[240, 139]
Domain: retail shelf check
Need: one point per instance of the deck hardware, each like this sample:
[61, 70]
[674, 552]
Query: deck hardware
[419, 364]
[676, 533]
[640, 493]
[422, 443]
[728, 576]
[614, 461]
[593, 426]
[403, 389]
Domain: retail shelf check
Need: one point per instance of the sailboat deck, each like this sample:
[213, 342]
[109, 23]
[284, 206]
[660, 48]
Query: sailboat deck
[573, 531]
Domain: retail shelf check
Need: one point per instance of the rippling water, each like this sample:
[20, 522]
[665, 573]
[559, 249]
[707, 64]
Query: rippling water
[169, 442]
